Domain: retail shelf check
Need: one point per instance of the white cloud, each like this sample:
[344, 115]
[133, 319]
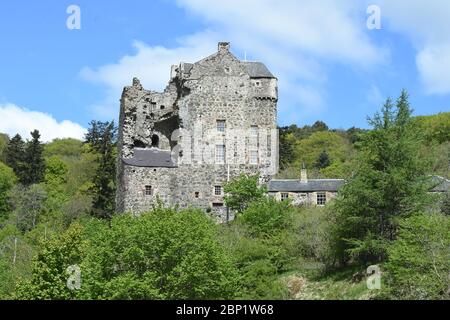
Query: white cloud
[433, 63]
[14, 119]
[327, 29]
[426, 24]
[296, 39]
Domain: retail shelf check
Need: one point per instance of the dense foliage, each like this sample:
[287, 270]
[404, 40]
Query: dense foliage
[58, 214]
[390, 183]
[418, 265]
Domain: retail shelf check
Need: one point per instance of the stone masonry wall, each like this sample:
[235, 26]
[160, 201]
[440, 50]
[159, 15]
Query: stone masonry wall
[218, 87]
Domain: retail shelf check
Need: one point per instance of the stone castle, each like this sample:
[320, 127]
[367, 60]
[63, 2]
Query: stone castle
[216, 119]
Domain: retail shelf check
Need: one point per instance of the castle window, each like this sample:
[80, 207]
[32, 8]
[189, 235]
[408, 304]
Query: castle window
[321, 198]
[254, 130]
[253, 156]
[220, 125]
[197, 195]
[162, 107]
[217, 190]
[220, 154]
[284, 196]
[148, 190]
[217, 205]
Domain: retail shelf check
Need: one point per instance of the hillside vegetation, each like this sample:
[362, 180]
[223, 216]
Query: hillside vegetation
[61, 239]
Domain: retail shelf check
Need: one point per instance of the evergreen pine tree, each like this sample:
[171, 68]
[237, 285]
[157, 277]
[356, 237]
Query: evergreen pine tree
[323, 160]
[390, 183]
[34, 161]
[15, 156]
[102, 138]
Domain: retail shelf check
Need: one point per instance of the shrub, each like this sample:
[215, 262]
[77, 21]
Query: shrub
[418, 265]
[267, 217]
[163, 254]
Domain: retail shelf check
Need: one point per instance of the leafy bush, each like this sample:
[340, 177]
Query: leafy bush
[312, 230]
[49, 269]
[7, 181]
[163, 254]
[267, 217]
[418, 265]
[242, 191]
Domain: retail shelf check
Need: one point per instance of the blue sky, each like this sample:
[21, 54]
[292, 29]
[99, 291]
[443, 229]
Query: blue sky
[330, 66]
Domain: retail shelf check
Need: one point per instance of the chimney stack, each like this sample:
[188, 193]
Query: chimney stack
[224, 46]
[304, 174]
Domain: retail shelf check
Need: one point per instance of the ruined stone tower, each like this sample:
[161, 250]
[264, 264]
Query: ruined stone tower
[217, 118]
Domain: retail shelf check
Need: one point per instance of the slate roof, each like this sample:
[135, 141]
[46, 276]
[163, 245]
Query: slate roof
[257, 70]
[151, 158]
[440, 184]
[311, 185]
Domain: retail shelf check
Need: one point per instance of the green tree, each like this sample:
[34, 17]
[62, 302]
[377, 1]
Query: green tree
[55, 183]
[323, 160]
[34, 160]
[163, 254]
[4, 139]
[101, 137]
[435, 127]
[29, 205]
[7, 182]
[390, 183]
[319, 126]
[15, 156]
[243, 190]
[286, 148]
[418, 265]
[49, 271]
[15, 259]
[267, 216]
[63, 148]
[308, 150]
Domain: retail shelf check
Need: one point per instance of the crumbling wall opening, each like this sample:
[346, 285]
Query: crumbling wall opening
[155, 141]
[167, 128]
[138, 144]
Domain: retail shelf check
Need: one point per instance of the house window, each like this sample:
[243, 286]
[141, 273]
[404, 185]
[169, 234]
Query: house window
[220, 125]
[148, 190]
[197, 195]
[217, 190]
[284, 196]
[321, 198]
[254, 130]
[220, 154]
[253, 156]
